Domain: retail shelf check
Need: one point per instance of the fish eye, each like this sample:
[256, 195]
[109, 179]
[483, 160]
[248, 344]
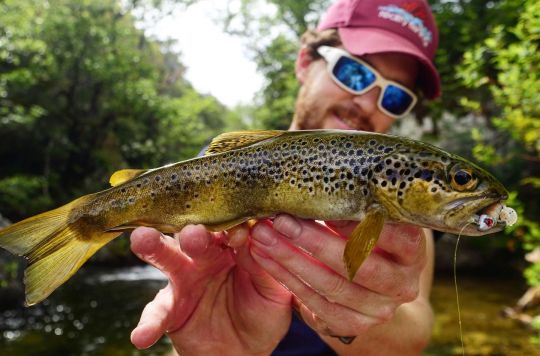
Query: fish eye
[463, 179]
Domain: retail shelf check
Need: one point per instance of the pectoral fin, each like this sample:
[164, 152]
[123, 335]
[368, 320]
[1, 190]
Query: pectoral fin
[362, 240]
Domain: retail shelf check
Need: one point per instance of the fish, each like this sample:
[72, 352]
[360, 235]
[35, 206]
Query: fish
[367, 177]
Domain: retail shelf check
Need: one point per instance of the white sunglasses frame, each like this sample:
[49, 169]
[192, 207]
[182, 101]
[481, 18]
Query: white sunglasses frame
[332, 54]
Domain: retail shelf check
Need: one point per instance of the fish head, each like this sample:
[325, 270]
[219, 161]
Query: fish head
[432, 188]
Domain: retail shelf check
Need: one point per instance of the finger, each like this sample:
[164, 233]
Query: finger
[161, 251]
[194, 240]
[152, 324]
[342, 227]
[315, 239]
[380, 273]
[405, 244]
[237, 236]
[333, 286]
[205, 249]
[332, 318]
[251, 273]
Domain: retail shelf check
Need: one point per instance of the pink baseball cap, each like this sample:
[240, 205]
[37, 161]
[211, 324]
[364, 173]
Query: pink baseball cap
[375, 26]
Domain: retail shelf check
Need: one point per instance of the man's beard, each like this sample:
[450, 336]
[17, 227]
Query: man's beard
[311, 114]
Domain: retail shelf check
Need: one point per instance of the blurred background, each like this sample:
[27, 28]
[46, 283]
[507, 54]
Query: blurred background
[88, 87]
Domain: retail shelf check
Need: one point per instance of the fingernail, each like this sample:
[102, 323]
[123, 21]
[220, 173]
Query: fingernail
[287, 226]
[263, 233]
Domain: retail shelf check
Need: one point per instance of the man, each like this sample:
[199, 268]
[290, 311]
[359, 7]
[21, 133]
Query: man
[240, 299]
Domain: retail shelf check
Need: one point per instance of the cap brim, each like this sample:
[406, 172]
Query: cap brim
[368, 40]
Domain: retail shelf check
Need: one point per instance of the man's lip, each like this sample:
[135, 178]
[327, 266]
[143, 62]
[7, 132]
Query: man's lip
[344, 124]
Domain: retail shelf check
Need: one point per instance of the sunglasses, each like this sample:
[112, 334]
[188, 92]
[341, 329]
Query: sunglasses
[357, 77]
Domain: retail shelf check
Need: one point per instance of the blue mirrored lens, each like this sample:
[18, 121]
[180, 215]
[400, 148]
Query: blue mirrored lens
[395, 100]
[352, 74]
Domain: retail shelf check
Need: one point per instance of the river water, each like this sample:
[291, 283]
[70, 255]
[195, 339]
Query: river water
[94, 313]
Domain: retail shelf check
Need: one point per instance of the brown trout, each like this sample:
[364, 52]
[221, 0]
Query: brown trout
[320, 174]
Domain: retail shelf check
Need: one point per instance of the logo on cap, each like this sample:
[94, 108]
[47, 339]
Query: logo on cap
[407, 19]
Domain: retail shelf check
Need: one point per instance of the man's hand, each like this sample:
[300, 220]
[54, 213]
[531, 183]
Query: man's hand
[217, 298]
[306, 257]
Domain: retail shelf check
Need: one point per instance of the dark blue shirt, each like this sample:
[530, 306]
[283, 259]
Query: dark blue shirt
[302, 340]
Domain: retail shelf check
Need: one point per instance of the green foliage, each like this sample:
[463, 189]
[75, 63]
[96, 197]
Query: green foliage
[83, 93]
[462, 25]
[273, 38]
[8, 273]
[17, 191]
[506, 66]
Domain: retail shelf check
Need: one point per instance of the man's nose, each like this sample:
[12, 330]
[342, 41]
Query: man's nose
[367, 102]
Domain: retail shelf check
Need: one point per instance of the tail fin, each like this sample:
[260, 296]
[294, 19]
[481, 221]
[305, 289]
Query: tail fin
[54, 247]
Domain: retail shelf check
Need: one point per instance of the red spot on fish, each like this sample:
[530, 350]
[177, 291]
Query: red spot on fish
[489, 222]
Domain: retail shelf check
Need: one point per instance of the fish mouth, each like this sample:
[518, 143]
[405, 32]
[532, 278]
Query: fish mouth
[481, 217]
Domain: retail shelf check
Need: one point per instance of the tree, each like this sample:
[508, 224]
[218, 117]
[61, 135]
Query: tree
[83, 92]
[506, 66]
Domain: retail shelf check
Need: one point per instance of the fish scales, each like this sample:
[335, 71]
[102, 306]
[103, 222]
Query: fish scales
[331, 173]
[320, 174]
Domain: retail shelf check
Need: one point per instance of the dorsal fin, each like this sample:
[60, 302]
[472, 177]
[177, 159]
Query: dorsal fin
[233, 140]
[124, 175]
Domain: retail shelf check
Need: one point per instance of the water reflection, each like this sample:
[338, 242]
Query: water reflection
[94, 313]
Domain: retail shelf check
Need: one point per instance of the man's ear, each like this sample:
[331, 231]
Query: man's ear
[303, 60]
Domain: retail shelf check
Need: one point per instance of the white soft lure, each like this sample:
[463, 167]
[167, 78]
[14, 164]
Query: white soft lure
[508, 215]
[494, 214]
